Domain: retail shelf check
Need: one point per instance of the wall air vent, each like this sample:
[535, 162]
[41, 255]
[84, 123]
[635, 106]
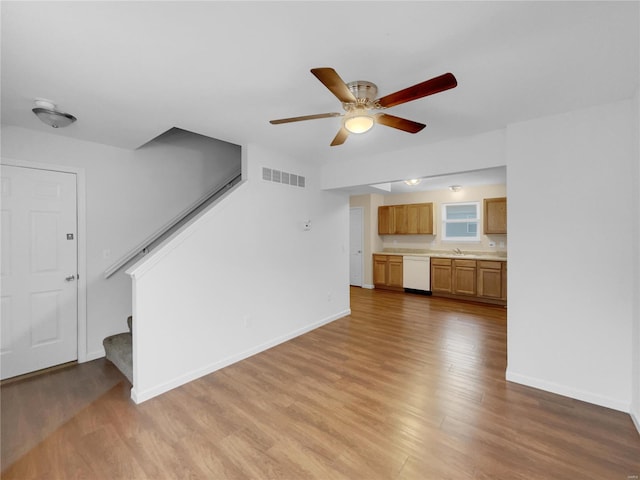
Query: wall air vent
[286, 178]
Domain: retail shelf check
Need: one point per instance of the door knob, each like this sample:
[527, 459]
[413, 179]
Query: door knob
[70, 278]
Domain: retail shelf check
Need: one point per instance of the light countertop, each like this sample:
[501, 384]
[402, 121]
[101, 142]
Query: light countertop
[471, 255]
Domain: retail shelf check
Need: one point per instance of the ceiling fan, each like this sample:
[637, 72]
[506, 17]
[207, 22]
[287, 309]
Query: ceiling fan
[359, 99]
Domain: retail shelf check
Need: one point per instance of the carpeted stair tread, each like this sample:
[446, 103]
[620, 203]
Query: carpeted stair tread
[119, 351]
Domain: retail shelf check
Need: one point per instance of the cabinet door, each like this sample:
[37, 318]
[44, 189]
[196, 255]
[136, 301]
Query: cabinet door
[490, 279]
[464, 277]
[379, 269]
[385, 220]
[441, 275]
[504, 281]
[394, 264]
[420, 218]
[399, 219]
[495, 215]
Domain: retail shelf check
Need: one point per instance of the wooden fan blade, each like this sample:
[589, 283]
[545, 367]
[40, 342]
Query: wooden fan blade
[429, 87]
[341, 137]
[304, 117]
[399, 123]
[334, 83]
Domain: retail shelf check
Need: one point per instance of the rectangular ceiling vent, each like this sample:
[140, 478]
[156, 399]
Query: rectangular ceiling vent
[286, 178]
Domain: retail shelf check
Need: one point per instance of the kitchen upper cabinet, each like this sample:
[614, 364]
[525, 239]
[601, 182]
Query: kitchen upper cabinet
[387, 271]
[495, 216]
[441, 275]
[385, 220]
[420, 218]
[464, 277]
[406, 219]
[399, 219]
[490, 281]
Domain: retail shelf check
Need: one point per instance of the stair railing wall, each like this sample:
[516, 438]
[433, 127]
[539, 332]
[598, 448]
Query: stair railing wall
[174, 224]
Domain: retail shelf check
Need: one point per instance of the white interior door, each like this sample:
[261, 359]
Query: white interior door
[355, 246]
[39, 326]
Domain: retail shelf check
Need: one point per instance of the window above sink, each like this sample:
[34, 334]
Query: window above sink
[460, 222]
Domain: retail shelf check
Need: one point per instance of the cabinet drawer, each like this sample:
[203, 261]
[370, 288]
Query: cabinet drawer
[440, 261]
[395, 258]
[464, 263]
[490, 265]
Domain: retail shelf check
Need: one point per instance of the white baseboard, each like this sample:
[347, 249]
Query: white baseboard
[139, 397]
[96, 354]
[636, 421]
[568, 392]
[370, 287]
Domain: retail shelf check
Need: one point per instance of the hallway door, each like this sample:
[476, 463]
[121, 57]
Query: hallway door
[355, 245]
[39, 327]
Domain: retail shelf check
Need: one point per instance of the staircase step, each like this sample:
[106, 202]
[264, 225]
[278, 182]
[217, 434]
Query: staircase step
[119, 351]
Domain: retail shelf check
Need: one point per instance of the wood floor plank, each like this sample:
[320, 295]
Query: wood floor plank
[406, 387]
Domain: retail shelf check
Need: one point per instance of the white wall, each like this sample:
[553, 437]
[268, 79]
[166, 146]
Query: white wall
[458, 155]
[635, 405]
[129, 194]
[572, 213]
[241, 279]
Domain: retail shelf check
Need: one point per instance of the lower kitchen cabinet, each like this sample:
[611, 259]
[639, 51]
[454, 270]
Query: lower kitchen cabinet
[441, 275]
[387, 271]
[490, 284]
[464, 277]
[480, 280]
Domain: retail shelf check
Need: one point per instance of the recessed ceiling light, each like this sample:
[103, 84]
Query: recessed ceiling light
[413, 181]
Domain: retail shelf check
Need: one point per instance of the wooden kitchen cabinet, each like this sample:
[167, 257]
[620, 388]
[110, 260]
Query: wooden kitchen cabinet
[385, 220]
[495, 216]
[490, 282]
[394, 266]
[420, 218]
[480, 280]
[441, 275]
[406, 219]
[387, 271]
[399, 219]
[464, 277]
[504, 281]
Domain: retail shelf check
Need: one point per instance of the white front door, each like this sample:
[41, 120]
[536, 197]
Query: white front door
[355, 246]
[39, 325]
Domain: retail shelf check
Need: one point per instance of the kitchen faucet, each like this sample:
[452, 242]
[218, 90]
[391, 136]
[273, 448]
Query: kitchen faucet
[457, 251]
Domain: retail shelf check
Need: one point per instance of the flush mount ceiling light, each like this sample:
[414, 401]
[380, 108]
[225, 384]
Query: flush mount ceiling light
[413, 182]
[47, 112]
[455, 188]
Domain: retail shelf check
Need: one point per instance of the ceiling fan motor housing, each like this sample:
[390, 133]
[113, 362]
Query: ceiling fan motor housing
[365, 93]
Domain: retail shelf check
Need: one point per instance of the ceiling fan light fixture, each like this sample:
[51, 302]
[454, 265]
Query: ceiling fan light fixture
[413, 182]
[455, 188]
[358, 123]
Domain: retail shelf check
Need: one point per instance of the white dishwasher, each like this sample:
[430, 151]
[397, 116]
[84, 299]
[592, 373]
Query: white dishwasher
[416, 273]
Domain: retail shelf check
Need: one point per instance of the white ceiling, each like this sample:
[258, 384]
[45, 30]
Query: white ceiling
[132, 70]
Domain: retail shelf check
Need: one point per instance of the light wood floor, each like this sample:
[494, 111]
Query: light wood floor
[406, 387]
